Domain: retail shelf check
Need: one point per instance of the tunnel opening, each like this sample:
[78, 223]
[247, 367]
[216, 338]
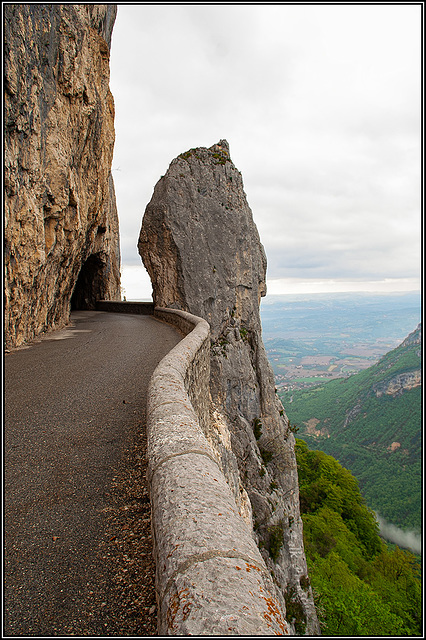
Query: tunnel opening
[89, 287]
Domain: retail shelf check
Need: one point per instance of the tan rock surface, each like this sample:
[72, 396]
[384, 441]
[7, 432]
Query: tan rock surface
[60, 212]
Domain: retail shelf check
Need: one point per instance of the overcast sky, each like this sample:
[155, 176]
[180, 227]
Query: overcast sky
[320, 105]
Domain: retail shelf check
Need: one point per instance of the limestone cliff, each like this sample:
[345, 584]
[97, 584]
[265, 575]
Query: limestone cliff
[202, 250]
[406, 380]
[61, 224]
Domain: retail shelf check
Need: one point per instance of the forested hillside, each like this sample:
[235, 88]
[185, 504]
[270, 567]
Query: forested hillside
[361, 587]
[371, 423]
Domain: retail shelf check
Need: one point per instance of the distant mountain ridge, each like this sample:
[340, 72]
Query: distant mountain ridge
[371, 422]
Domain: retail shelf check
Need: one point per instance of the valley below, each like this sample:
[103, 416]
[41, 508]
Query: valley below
[348, 372]
[313, 339]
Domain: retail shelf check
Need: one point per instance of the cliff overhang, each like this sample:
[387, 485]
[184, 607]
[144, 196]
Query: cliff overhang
[61, 224]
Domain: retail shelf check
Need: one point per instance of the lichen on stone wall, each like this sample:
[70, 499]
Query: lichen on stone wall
[60, 214]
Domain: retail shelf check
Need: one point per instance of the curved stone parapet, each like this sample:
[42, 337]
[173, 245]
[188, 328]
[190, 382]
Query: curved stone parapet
[210, 576]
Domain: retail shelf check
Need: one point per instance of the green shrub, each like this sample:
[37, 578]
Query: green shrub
[276, 540]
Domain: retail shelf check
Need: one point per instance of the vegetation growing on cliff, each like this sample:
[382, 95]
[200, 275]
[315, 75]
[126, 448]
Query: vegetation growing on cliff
[371, 422]
[361, 587]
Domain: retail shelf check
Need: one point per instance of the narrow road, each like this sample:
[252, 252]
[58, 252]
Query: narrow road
[77, 518]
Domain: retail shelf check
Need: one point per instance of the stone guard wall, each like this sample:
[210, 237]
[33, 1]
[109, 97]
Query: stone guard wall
[210, 576]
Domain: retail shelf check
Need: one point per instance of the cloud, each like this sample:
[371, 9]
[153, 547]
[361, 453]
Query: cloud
[405, 539]
[320, 105]
[279, 286]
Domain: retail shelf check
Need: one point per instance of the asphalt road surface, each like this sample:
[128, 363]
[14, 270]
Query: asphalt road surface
[74, 408]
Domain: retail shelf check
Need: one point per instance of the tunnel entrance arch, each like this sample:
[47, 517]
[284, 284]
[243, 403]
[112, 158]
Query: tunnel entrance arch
[90, 284]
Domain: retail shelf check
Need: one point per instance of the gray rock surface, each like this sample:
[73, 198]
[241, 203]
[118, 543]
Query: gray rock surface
[61, 223]
[202, 250]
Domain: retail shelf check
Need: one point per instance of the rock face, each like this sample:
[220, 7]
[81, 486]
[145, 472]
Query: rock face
[406, 380]
[202, 250]
[415, 337]
[61, 224]
[398, 384]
